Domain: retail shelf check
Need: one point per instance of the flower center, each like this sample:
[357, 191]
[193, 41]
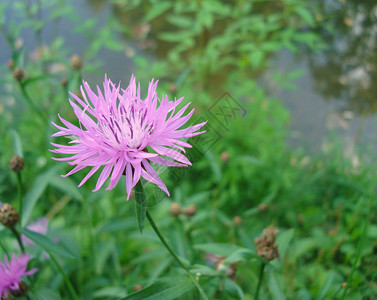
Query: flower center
[125, 129]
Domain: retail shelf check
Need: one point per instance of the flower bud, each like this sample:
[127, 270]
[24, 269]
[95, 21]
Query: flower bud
[262, 207]
[16, 163]
[175, 209]
[224, 156]
[8, 215]
[18, 74]
[76, 62]
[22, 290]
[11, 64]
[266, 246]
[343, 285]
[237, 220]
[190, 210]
[138, 287]
[64, 81]
[173, 88]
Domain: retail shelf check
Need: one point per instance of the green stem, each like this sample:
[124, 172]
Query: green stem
[261, 273]
[19, 186]
[66, 279]
[18, 238]
[162, 239]
[30, 102]
[4, 248]
[358, 252]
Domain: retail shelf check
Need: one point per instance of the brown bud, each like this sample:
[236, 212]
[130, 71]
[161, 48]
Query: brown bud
[22, 290]
[8, 215]
[18, 73]
[262, 207]
[237, 220]
[173, 88]
[224, 156]
[138, 287]
[16, 163]
[190, 210]
[343, 285]
[64, 81]
[175, 209]
[10, 64]
[266, 247]
[76, 62]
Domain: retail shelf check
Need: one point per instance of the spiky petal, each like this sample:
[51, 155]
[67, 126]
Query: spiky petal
[115, 129]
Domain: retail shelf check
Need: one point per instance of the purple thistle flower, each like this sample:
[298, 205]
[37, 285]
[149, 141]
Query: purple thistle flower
[117, 127]
[11, 272]
[39, 226]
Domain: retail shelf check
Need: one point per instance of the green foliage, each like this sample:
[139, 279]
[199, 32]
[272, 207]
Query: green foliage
[242, 167]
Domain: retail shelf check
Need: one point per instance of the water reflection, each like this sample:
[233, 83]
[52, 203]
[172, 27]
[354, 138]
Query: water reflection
[347, 70]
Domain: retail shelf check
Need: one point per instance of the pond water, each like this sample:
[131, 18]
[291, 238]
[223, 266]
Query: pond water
[336, 92]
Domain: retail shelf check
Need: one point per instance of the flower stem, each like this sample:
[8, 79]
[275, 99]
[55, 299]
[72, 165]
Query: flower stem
[18, 238]
[66, 279]
[261, 273]
[162, 239]
[30, 102]
[19, 186]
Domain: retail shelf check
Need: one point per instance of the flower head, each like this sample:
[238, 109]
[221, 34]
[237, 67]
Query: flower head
[39, 226]
[124, 133]
[11, 272]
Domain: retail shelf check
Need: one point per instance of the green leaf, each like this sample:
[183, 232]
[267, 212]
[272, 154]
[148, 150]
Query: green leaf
[17, 144]
[140, 205]
[157, 10]
[283, 241]
[233, 289]
[326, 286]
[46, 294]
[110, 292]
[218, 248]
[274, 287]
[35, 193]
[66, 185]
[48, 245]
[163, 289]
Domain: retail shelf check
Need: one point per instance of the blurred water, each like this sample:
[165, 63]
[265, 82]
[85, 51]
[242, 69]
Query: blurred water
[336, 92]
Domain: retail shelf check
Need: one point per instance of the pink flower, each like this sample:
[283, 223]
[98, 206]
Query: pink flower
[124, 133]
[39, 226]
[11, 272]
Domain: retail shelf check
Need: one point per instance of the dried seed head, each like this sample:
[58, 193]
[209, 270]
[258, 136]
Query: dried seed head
[190, 210]
[237, 220]
[175, 209]
[18, 73]
[138, 287]
[266, 247]
[8, 215]
[76, 62]
[22, 290]
[262, 207]
[10, 64]
[224, 156]
[16, 163]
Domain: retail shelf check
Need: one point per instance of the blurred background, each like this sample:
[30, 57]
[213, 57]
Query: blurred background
[288, 89]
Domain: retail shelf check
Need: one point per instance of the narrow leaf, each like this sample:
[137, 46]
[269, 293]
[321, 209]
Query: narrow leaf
[17, 145]
[164, 289]
[45, 243]
[140, 205]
